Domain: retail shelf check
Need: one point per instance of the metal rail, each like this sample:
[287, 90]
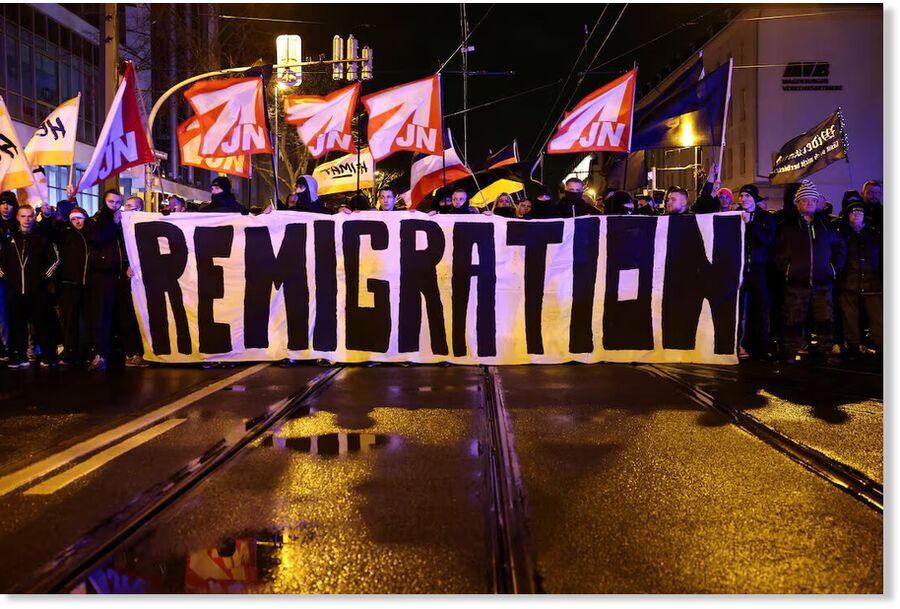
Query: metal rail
[850, 480]
[75, 563]
[514, 568]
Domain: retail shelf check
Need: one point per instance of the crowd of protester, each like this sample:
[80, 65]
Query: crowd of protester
[812, 282]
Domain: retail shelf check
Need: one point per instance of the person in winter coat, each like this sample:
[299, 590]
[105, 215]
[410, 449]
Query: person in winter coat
[572, 204]
[74, 252]
[677, 201]
[28, 260]
[8, 205]
[306, 197]
[860, 281]
[759, 237]
[871, 193]
[619, 203]
[504, 206]
[109, 278]
[222, 199]
[809, 254]
[459, 203]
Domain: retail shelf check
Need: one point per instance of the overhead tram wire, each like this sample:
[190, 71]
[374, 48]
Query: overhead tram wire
[568, 78]
[503, 99]
[466, 39]
[581, 80]
[651, 41]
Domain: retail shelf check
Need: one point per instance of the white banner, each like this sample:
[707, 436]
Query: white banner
[407, 287]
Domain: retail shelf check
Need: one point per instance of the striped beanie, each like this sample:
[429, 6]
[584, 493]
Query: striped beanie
[807, 189]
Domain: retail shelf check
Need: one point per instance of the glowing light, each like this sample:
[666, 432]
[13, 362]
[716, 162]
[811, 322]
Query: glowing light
[687, 137]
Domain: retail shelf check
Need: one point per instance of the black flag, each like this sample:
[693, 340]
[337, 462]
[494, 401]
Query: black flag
[811, 151]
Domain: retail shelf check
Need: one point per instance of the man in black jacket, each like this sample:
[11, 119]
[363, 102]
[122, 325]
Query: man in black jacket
[572, 203]
[27, 262]
[809, 255]
[759, 236]
[222, 200]
[74, 252]
[109, 275]
[8, 206]
[861, 280]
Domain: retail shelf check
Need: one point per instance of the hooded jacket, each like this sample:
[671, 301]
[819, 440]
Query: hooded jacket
[28, 261]
[809, 255]
[308, 200]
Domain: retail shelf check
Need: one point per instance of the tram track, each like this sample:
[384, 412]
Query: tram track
[849, 479]
[76, 562]
[512, 568]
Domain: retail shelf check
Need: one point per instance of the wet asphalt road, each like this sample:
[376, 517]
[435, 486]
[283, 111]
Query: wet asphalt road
[386, 480]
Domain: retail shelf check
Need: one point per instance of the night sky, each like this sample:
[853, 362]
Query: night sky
[539, 42]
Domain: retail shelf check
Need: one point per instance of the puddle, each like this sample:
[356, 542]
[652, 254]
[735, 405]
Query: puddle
[237, 565]
[332, 444]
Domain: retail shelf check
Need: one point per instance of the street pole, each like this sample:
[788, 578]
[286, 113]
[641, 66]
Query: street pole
[109, 67]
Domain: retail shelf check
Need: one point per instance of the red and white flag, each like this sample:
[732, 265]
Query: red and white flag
[324, 123]
[14, 169]
[600, 121]
[189, 144]
[123, 140]
[232, 116]
[54, 141]
[428, 172]
[405, 117]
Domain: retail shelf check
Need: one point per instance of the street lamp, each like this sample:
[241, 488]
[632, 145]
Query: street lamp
[288, 57]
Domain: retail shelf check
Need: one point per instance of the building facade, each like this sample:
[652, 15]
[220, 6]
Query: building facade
[51, 52]
[793, 66]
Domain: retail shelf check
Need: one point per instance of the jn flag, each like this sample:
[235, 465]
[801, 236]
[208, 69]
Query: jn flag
[14, 169]
[189, 143]
[811, 151]
[691, 117]
[54, 141]
[405, 117]
[429, 172]
[600, 121]
[123, 140]
[324, 123]
[232, 116]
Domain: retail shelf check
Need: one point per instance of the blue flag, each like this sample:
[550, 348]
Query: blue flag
[686, 80]
[692, 116]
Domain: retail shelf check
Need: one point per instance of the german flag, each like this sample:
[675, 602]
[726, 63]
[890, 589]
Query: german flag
[507, 156]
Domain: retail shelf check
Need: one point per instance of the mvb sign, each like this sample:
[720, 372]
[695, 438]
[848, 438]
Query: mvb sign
[406, 287]
[406, 117]
[324, 123]
[232, 116]
[601, 121]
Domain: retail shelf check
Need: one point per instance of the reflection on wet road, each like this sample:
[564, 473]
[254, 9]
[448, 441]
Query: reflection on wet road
[320, 505]
[386, 482]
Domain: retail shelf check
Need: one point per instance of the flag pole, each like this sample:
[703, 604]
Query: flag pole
[725, 117]
[846, 144]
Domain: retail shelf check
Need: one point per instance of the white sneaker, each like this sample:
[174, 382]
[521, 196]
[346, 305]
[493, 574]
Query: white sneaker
[136, 361]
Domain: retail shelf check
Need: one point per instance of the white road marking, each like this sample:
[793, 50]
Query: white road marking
[102, 458]
[11, 482]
